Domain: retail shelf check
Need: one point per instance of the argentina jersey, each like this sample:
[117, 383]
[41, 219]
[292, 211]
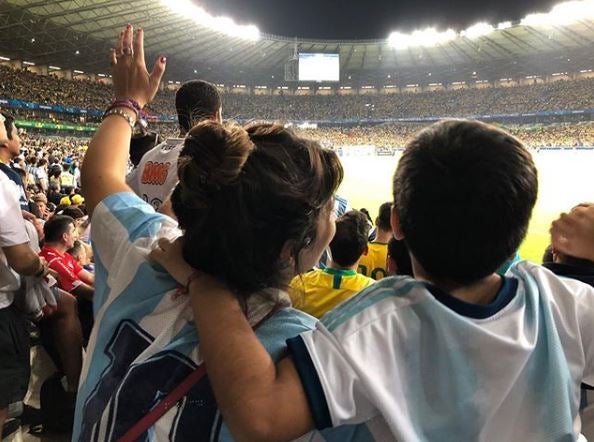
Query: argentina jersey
[144, 341]
[435, 368]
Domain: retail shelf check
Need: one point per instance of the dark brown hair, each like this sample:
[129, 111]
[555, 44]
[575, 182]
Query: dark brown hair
[243, 193]
[464, 192]
[350, 239]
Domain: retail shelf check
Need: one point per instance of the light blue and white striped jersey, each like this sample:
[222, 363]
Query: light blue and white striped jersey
[144, 342]
[434, 368]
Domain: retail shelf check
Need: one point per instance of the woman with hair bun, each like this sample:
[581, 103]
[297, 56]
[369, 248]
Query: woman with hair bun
[254, 207]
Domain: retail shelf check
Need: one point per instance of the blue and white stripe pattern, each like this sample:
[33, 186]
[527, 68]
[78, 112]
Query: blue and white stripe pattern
[434, 368]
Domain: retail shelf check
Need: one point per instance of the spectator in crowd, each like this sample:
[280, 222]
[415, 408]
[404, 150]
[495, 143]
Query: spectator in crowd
[398, 262]
[53, 195]
[79, 253]
[40, 201]
[67, 180]
[251, 186]
[156, 174]
[319, 291]
[60, 235]
[537, 321]
[16, 259]
[9, 150]
[40, 175]
[373, 263]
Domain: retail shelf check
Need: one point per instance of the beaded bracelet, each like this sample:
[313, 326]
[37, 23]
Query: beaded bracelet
[122, 114]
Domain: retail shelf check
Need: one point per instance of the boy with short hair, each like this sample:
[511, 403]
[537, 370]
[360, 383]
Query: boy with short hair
[459, 354]
[323, 289]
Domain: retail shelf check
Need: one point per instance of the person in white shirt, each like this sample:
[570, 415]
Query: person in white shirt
[156, 175]
[459, 353]
[16, 259]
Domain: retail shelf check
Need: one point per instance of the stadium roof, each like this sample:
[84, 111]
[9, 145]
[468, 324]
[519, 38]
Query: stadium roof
[77, 34]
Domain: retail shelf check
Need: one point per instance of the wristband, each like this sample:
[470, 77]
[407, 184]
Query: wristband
[184, 290]
[127, 102]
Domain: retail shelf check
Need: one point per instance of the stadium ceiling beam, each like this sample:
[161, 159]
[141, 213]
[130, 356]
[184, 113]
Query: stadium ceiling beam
[45, 3]
[345, 64]
[108, 16]
[447, 53]
[501, 48]
[179, 35]
[572, 35]
[249, 55]
[148, 16]
[545, 41]
[236, 48]
[80, 10]
[278, 61]
[427, 53]
[188, 45]
[481, 49]
[363, 58]
[461, 51]
[412, 57]
[522, 44]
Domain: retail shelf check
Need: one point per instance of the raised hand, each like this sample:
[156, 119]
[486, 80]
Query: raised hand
[131, 79]
[573, 234]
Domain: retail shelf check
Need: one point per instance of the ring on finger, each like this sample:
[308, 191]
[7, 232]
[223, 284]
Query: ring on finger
[127, 51]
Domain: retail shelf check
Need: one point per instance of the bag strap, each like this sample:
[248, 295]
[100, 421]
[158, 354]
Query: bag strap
[164, 405]
[169, 401]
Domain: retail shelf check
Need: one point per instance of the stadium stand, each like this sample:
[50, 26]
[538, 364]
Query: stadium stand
[269, 186]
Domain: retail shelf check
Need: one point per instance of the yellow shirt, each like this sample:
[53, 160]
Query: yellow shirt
[319, 291]
[374, 263]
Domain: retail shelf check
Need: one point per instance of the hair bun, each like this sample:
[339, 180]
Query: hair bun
[212, 158]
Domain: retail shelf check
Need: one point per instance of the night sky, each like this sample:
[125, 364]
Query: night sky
[360, 19]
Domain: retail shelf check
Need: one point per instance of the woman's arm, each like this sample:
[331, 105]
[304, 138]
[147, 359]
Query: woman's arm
[104, 167]
[259, 401]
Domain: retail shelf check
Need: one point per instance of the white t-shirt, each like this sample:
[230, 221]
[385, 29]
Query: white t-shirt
[432, 367]
[156, 175]
[12, 233]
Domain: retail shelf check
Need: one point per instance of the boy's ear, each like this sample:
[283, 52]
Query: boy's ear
[366, 250]
[395, 223]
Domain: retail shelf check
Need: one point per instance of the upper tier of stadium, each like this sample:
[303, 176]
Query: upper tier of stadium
[75, 35]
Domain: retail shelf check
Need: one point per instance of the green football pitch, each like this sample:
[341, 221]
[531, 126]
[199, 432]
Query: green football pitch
[566, 178]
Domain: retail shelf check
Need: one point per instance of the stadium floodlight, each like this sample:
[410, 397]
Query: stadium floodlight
[504, 25]
[224, 25]
[562, 14]
[76, 71]
[29, 63]
[478, 30]
[56, 68]
[4, 58]
[420, 38]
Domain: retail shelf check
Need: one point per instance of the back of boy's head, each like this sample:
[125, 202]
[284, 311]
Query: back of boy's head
[464, 192]
[350, 239]
[383, 217]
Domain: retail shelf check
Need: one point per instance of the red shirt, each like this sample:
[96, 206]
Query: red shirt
[66, 267]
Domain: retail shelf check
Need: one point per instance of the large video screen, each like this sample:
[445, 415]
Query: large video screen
[319, 67]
